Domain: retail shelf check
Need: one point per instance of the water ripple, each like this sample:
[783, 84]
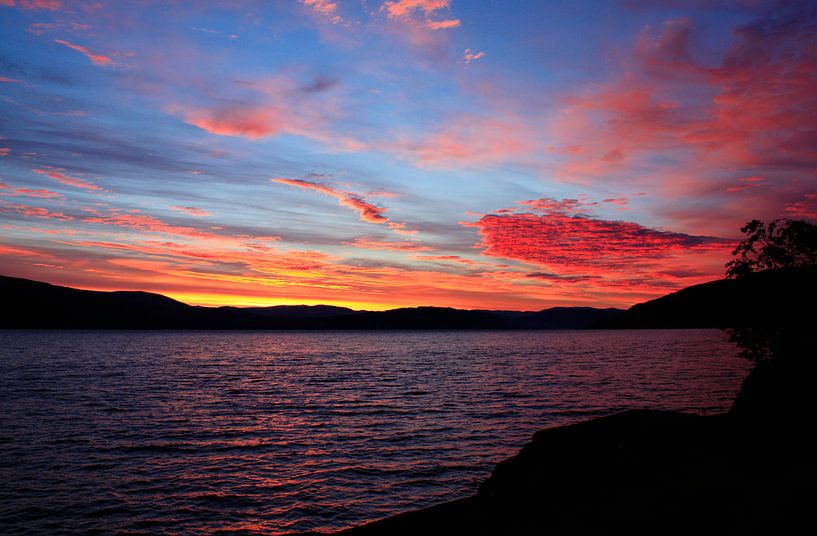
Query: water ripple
[265, 433]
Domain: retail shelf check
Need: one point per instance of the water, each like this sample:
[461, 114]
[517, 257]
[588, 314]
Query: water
[191, 432]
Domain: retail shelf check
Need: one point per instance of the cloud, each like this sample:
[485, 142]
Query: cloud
[41, 193]
[367, 211]
[47, 5]
[191, 211]
[472, 140]
[472, 55]
[5, 151]
[804, 209]
[58, 175]
[383, 245]
[756, 106]
[35, 212]
[443, 24]
[238, 120]
[7, 80]
[96, 58]
[325, 8]
[416, 20]
[574, 246]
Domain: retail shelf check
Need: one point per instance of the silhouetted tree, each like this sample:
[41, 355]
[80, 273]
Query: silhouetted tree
[784, 243]
[782, 349]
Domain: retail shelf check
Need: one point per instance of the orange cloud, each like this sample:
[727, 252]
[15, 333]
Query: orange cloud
[96, 59]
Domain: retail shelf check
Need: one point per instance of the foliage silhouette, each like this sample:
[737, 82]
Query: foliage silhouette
[783, 352]
[783, 244]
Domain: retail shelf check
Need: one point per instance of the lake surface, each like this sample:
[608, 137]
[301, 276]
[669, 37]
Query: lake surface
[193, 432]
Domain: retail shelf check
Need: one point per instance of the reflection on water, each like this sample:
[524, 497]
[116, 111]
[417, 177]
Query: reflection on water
[188, 432]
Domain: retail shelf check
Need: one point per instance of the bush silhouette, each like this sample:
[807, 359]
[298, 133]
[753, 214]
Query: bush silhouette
[783, 244]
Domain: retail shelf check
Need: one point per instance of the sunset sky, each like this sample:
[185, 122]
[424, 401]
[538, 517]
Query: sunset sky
[377, 154]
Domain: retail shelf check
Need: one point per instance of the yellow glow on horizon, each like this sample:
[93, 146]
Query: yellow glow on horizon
[220, 300]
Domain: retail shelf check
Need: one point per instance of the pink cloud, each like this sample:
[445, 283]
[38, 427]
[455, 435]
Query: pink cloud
[96, 58]
[41, 193]
[59, 176]
[325, 8]
[47, 5]
[191, 211]
[7, 80]
[759, 102]
[249, 121]
[472, 55]
[367, 211]
[404, 8]
[4, 151]
[35, 212]
[444, 25]
[472, 140]
[804, 209]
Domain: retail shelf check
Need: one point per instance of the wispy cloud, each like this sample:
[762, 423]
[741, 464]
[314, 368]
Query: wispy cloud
[95, 57]
[58, 175]
[472, 55]
[367, 211]
[191, 211]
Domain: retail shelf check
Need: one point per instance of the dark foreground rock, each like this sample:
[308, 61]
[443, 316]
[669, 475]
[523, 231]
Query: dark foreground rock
[642, 472]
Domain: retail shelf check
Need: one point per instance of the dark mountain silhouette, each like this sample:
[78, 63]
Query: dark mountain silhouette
[769, 298]
[32, 304]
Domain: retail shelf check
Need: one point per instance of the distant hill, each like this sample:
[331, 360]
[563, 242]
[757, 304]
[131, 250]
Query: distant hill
[32, 304]
[769, 298]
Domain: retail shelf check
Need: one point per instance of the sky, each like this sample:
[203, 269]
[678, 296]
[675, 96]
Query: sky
[379, 154]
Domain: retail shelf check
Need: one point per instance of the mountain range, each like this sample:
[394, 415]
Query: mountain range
[762, 298]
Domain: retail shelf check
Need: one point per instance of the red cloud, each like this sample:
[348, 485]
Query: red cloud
[96, 59]
[59, 176]
[577, 246]
[367, 211]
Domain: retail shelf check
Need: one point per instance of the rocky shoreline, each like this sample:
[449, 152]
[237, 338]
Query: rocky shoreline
[643, 472]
